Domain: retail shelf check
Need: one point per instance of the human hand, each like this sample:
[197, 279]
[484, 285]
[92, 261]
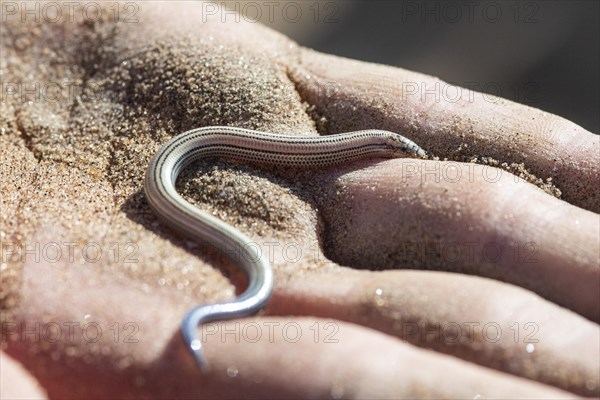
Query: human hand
[86, 159]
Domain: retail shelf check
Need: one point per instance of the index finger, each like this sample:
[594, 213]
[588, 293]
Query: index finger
[451, 122]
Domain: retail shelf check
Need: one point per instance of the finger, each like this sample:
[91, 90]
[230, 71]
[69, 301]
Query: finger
[76, 348]
[381, 367]
[452, 216]
[484, 321]
[17, 383]
[351, 95]
[124, 166]
[245, 359]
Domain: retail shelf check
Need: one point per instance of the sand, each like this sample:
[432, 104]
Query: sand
[73, 168]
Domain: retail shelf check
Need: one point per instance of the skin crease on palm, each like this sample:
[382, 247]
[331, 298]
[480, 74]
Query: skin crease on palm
[381, 348]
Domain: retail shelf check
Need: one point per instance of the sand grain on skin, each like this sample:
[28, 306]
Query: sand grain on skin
[84, 159]
[82, 162]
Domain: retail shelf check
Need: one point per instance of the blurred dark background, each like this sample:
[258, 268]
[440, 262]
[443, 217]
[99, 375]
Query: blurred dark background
[541, 53]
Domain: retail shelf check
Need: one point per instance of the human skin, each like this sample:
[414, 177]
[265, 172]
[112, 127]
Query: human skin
[17, 383]
[364, 210]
